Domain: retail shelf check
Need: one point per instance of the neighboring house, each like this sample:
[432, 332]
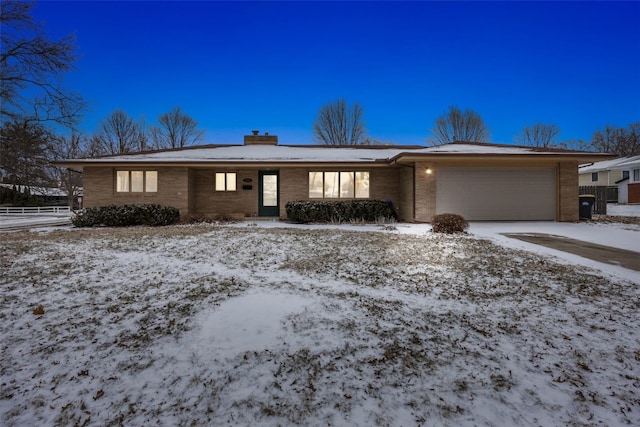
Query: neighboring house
[478, 181]
[606, 172]
[629, 184]
[46, 195]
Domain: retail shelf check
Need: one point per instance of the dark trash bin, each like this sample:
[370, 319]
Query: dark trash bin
[586, 203]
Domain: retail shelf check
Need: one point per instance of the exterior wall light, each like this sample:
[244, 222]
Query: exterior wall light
[429, 171]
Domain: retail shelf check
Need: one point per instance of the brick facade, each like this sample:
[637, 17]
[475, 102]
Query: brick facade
[425, 192]
[173, 188]
[568, 209]
[192, 190]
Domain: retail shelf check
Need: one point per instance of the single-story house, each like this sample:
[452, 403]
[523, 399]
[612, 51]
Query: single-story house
[257, 179]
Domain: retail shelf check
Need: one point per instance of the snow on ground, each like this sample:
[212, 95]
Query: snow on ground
[12, 221]
[260, 324]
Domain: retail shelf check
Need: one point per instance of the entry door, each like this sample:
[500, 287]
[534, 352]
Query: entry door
[268, 189]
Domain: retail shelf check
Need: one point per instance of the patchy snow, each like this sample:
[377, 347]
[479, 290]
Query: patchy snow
[33, 220]
[272, 324]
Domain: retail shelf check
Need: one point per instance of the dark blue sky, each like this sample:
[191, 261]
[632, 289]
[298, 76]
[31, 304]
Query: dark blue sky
[240, 66]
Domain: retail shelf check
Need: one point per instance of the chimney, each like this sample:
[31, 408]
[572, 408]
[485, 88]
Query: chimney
[257, 139]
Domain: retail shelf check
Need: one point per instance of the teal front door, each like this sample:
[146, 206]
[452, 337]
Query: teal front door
[268, 193]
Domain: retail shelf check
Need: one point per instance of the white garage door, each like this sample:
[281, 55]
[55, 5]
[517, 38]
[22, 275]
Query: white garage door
[497, 194]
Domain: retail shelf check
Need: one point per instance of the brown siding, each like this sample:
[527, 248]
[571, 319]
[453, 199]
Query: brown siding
[634, 193]
[173, 185]
[568, 192]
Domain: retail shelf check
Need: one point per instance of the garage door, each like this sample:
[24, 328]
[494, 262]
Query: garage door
[497, 194]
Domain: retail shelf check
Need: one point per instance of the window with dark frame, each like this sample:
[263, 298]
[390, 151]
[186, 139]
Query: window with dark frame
[338, 185]
[594, 177]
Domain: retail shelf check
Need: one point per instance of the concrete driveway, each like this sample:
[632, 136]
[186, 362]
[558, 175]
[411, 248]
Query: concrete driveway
[596, 252]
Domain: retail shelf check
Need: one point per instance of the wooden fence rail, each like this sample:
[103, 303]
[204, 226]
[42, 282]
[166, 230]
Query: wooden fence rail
[603, 195]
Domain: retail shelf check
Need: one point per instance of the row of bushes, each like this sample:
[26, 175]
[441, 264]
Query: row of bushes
[297, 211]
[339, 211]
[126, 215]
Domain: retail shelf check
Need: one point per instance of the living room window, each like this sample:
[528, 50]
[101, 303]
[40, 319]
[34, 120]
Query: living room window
[339, 185]
[136, 181]
[225, 181]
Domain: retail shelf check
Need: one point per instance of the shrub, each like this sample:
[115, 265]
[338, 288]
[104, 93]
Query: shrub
[305, 211]
[448, 223]
[126, 215]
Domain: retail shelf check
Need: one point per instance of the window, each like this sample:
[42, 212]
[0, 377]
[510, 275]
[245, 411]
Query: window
[334, 185]
[636, 175]
[625, 174]
[225, 181]
[594, 177]
[136, 181]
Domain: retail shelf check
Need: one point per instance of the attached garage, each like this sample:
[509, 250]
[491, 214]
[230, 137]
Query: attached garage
[497, 194]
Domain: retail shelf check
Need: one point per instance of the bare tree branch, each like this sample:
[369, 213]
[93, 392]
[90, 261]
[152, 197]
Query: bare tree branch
[176, 130]
[340, 124]
[459, 126]
[31, 63]
[118, 134]
[539, 135]
[622, 141]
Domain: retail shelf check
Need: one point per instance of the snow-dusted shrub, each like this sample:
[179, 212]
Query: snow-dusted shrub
[126, 215]
[448, 223]
[305, 211]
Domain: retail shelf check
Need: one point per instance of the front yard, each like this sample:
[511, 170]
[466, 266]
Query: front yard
[251, 326]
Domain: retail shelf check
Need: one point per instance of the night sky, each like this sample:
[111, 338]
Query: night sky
[270, 66]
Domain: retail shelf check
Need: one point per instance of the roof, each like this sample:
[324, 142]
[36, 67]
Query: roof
[314, 154]
[607, 165]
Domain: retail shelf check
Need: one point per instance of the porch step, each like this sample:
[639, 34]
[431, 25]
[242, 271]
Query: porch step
[261, 218]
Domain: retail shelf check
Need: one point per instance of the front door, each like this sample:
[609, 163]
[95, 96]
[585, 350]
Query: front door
[268, 190]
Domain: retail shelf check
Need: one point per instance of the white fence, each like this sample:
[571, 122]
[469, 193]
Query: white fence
[35, 210]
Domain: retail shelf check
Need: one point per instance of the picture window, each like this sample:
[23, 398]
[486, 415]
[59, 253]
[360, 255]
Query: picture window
[136, 181]
[339, 185]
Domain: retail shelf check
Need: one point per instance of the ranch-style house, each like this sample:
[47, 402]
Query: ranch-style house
[479, 181]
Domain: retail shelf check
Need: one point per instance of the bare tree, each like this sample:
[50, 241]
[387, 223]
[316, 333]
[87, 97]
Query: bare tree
[31, 70]
[118, 134]
[539, 135]
[72, 147]
[176, 130]
[459, 126]
[622, 141]
[340, 124]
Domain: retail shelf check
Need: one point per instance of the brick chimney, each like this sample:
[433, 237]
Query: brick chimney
[257, 139]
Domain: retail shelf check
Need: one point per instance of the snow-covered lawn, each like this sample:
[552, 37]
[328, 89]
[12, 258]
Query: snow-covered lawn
[268, 325]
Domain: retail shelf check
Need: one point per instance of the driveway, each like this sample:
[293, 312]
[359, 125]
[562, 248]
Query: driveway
[596, 252]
